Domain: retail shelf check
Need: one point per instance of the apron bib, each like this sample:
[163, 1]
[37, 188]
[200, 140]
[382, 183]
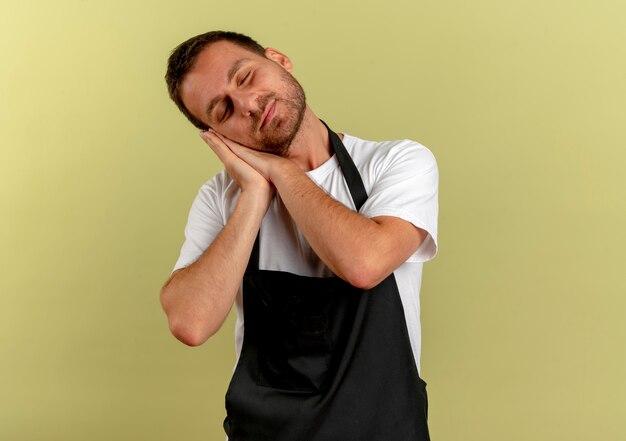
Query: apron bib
[322, 360]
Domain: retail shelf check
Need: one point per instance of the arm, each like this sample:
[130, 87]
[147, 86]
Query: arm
[197, 299]
[360, 250]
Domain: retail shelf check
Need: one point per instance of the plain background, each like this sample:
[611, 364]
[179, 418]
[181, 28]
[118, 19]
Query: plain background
[522, 102]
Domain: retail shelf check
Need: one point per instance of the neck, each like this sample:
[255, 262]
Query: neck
[311, 146]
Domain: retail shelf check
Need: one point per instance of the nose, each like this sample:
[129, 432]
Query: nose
[246, 102]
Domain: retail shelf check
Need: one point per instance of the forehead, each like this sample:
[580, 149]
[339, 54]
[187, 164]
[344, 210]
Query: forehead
[209, 73]
[218, 57]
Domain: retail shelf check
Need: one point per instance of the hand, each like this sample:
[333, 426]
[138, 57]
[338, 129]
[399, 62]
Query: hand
[248, 179]
[264, 163]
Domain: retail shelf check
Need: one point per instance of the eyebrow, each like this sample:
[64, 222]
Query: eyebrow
[229, 77]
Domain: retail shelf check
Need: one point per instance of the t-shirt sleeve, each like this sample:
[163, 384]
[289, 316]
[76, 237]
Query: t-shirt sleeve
[204, 223]
[406, 186]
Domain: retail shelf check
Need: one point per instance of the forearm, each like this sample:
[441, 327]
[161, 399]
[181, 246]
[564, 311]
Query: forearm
[354, 247]
[197, 299]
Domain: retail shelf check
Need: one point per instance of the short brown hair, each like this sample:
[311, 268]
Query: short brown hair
[184, 56]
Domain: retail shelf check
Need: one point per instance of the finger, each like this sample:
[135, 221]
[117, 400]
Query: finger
[245, 153]
[240, 152]
[218, 146]
[234, 146]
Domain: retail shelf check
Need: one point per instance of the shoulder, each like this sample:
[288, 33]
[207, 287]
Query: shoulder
[215, 197]
[377, 155]
[220, 186]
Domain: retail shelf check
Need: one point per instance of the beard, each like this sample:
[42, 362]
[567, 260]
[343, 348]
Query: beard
[276, 136]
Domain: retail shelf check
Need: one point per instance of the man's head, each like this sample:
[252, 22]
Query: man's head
[230, 83]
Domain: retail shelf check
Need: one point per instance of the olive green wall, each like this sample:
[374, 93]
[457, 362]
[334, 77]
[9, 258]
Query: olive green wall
[523, 104]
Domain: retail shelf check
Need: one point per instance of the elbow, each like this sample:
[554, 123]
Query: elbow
[363, 282]
[184, 326]
[364, 275]
[187, 334]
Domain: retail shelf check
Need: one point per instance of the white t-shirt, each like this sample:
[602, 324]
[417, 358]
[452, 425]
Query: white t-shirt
[401, 179]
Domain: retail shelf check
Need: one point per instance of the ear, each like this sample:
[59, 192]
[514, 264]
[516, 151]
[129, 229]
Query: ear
[279, 58]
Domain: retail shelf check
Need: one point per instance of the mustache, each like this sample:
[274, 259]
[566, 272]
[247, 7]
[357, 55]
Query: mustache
[262, 101]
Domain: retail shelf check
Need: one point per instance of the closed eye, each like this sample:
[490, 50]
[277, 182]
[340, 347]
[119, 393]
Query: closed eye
[244, 78]
[226, 111]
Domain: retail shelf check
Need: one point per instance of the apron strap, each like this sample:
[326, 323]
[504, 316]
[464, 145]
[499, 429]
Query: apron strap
[350, 174]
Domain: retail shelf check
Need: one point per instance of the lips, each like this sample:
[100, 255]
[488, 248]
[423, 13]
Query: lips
[268, 114]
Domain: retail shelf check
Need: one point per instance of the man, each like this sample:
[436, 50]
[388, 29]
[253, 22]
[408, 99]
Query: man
[317, 238]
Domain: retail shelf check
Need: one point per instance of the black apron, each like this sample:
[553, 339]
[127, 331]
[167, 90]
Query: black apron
[322, 360]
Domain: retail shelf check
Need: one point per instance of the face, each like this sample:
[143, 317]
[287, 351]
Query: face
[246, 97]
